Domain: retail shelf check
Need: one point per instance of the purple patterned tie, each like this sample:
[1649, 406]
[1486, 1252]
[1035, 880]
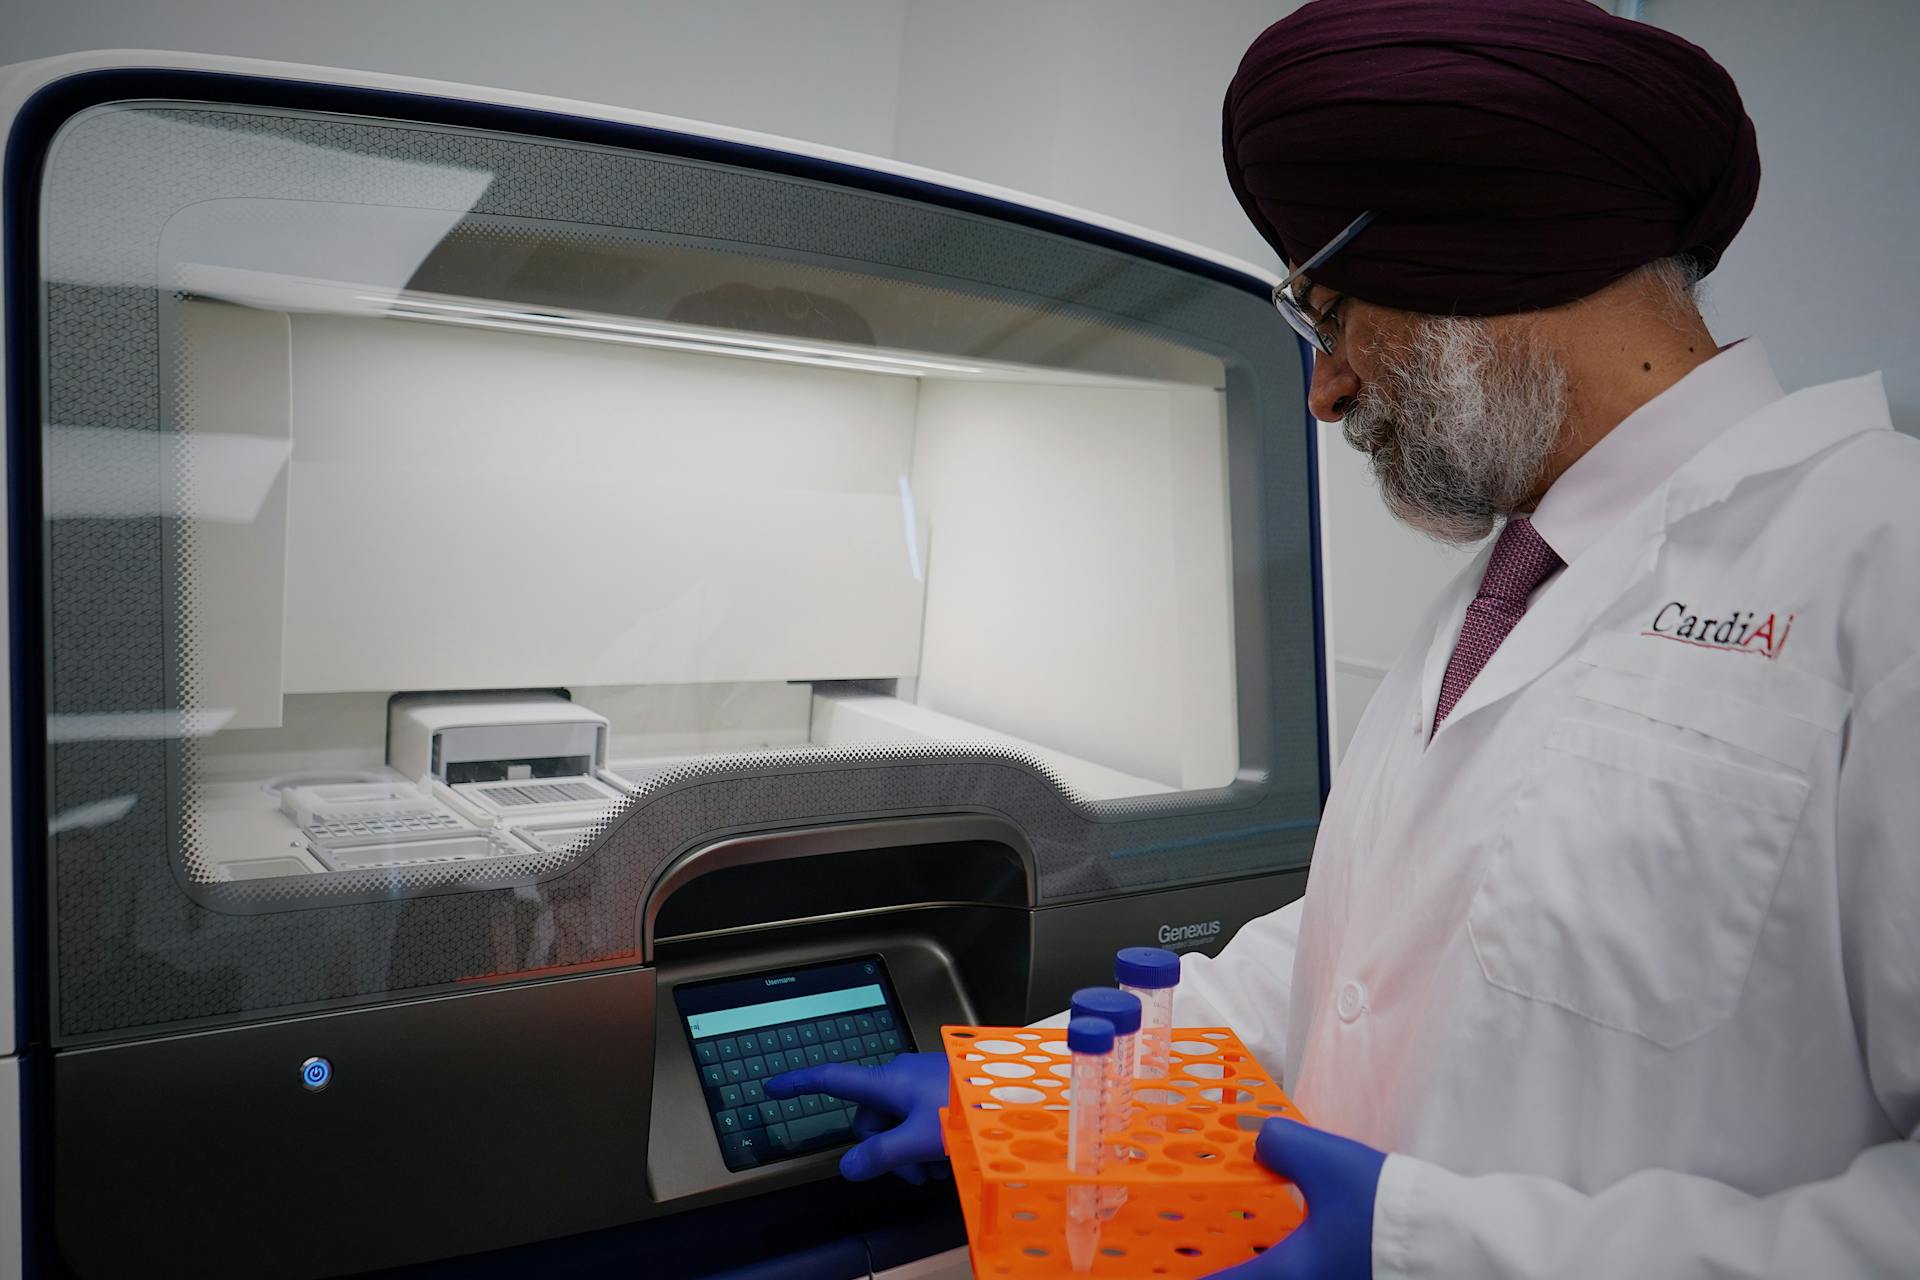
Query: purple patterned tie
[1521, 561]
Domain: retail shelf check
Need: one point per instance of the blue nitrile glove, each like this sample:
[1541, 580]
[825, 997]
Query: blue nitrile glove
[899, 1117]
[1338, 1177]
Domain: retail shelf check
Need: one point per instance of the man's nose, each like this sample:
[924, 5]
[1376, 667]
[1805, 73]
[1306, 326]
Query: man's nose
[1334, 386]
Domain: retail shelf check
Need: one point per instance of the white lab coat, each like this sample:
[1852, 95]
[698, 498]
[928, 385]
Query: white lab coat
[1624, 964]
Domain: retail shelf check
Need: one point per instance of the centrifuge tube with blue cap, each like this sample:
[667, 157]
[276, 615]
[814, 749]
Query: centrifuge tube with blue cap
[1123, 1011]
[1151, 974]
[1091, 1042]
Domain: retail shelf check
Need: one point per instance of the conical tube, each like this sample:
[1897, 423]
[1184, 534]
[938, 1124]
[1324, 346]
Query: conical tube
[1123, 1011]
[1091, 1042]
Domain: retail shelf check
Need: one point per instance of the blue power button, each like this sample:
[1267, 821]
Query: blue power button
[316, 1074]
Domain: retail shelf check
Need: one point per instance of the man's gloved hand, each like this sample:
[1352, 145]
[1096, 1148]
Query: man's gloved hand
[1338, 1177]
[899, 1117]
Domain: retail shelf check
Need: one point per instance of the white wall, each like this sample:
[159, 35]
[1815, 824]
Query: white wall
[1826, 269]
[520, 510]
[1078, 582]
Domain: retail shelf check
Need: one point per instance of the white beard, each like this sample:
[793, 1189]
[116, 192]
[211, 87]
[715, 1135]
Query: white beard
[1459, 428]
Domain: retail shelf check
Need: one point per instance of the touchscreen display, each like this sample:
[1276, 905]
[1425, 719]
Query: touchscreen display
[744, 1030]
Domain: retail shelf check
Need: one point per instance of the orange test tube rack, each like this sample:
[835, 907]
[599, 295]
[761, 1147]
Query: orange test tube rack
[1197, 1201]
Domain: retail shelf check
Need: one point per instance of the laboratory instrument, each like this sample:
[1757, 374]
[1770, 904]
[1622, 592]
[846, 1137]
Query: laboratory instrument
[511, 597]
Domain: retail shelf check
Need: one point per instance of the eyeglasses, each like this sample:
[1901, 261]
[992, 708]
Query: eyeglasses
[1295, 312]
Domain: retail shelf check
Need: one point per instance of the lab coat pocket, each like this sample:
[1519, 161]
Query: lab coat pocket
[1631, 881]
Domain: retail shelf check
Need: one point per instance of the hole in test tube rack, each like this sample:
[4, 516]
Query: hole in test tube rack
[1039, 1149]
[1192, 1152]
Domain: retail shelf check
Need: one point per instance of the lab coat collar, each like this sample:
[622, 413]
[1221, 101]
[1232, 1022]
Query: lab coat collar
[1785, 433]
[1651, 444]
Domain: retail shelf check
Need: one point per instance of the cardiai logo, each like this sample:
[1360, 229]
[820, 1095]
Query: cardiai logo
[1739, 631]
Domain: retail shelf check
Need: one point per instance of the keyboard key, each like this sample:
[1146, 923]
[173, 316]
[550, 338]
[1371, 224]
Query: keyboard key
[836, 1051]
[736, 1070]
[863, 1023]
[757, 1068]
[729, 1047]
[789, 1038]
[812, 1128]
[815, 1055]
[777, 1137]
[732, 1096]
[883, 1018]
[890, 1040]
[870, 1062]
[769, 1112]
[885, 1058]
[871, 1042]
[752, 1091]
[846, 1026]
[828, 1031]
[811, 1104]
[795, 1059]
[713, 1076]
[791, 1109]
[769, 1041]
[742, 1149]
[706, 1052]
[809, 1033]
[727, 1122]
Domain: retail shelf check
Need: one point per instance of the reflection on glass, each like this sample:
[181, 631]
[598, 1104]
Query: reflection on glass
[484, 523]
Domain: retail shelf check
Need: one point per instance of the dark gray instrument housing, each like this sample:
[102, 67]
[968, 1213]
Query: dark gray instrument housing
[468, 1122]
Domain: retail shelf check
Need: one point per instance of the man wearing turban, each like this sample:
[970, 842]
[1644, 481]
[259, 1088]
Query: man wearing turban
[1609, 961]
[1612, 937]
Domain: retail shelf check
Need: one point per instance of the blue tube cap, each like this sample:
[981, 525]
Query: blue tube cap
[1149, 968]
[1090, 1035]
[1116, 1006]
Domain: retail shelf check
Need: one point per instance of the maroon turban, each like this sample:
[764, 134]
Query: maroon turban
[1520, 153]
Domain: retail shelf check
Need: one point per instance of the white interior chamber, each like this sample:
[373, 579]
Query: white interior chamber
[719, 542]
